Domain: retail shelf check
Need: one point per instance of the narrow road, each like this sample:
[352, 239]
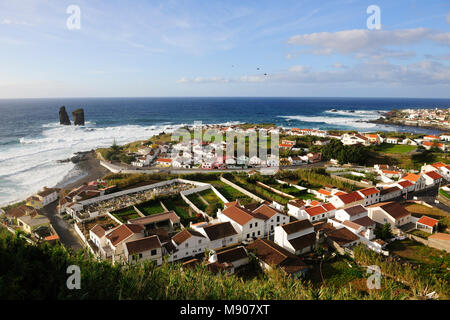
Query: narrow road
[67, 235]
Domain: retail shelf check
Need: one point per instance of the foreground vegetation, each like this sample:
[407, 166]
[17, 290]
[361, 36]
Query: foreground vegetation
[39, 272]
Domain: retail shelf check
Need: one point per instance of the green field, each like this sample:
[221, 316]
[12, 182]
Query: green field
[229, 192]
[445, 194]
[394, 148]
[150, 207]
[258, 190]
[195, 199]
[182, 209]
[125, 214]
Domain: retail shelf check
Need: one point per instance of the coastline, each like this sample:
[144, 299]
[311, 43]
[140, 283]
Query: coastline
[90, 169]
[400, 124]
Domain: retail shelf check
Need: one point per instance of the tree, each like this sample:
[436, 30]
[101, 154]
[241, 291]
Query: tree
[384, 232]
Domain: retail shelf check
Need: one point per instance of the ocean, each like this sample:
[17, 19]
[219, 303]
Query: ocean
[32, 141]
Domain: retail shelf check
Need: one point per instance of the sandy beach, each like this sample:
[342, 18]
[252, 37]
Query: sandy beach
[89, 168]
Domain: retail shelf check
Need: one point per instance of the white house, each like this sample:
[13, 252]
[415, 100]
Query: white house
[392, 140]
[47, 195]
[297, 237]
[390, 193]
[295, 207]
[389, 212]
[247, 225]
[219, 234]
[371, 195]
[319, 212]
[417, 179]
[188, 243]
[272, 217]
[272, 161]
[432, 178]
[148, 248]
[351, 213]
[351, 139]
[116, 238]
[347, 200]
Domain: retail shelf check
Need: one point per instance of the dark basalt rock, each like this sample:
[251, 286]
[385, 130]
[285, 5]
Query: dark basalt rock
[63, 116]
[78, 117]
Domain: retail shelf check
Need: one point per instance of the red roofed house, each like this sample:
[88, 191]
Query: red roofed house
[428, 224]
[432, 178]
[246, 224]
[347, 200]
[431, 138]
[440, 167]
[405, 186]
[319, 212]
[417, 179]
[164, 162]
[323, 194]
[116, 238]
[371, 195]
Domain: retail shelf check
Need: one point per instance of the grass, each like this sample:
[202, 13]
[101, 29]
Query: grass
[394, 148]
[418, 210]
[125, 214]
[445, 194]
[150, 207]
[420, 233]
[416, 252]
[258, 190]
[229, 192]
[182, 209]
[195, 199]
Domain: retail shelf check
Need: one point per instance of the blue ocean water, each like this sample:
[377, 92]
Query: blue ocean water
[31, 139]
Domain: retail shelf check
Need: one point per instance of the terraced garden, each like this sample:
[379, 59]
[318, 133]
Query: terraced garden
[125, 214]
[186, 214]
[150, 207]
[261, 192]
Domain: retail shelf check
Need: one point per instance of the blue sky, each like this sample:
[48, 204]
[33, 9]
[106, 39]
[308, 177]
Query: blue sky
[211, 48]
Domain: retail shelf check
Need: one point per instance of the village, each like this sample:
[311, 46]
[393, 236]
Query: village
[225, 219]
[199, 154]
[431, 118]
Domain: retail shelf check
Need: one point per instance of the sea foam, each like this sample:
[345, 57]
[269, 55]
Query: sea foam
[27, 166]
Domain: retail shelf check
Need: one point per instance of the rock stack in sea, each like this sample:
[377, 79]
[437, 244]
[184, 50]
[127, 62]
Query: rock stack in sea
[63, 116]
[78, 117]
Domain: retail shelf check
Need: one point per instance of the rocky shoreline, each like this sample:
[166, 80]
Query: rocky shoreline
[89, 167]
[401, 124]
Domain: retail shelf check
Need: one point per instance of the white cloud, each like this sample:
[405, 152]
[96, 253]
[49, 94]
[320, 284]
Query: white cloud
[298, 69]
[366, 73]
[360, 40]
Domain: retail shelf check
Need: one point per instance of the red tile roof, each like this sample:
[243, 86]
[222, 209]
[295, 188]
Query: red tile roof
[411, 177]
[428, 221]
[350, 197]
[433, 175]
[237, 214]
[314, 211]
[324, 192]
[369, 191]
[405, 184]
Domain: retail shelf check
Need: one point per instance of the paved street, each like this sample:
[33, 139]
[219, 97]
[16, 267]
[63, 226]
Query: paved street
[428, 196]
[64, 230]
